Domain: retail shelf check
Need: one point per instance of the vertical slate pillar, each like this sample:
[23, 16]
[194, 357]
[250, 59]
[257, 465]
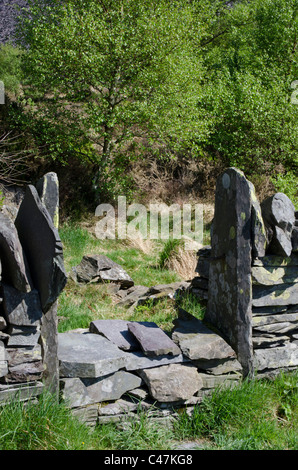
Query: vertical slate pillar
[36, 223]
[48, 190]
[230, 284]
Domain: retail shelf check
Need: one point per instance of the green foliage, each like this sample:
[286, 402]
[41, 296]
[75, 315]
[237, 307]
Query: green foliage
[45, 425]
[288, 184]
[110, 73]
[248, 92]
[169, 248]
[10, 67]
[255, 415]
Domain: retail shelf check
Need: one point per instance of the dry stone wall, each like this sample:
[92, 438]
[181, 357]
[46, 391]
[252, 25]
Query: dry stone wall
[116, 368]
[268, 325]
[32, 277]
[108, 372]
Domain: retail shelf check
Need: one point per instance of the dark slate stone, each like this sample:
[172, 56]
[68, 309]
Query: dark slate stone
[100, 268]
[278, 213]
[117, 332]
[229, 302]
[276, 261]
[258, 236]
[153, 341]
[48, 190]
[21, 308]
[49, 342]
[283, 294]
[42, 246]
[204, 262]
[14, 265]
[294, 239]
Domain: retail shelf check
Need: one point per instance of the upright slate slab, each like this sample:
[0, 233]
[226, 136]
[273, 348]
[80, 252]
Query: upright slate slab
[15, 269]
[48, 190]
[279, 216]
[230, 284]
[42, 246]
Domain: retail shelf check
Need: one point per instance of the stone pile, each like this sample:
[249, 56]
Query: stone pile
[250, 271]
[95, 268]
[116, 368]
[33, 276]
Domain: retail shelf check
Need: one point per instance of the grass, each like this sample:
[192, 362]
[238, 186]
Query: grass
[257, 414]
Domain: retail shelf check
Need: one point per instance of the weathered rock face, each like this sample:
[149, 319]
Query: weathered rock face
[15, 268]
[48, 190]
[42, 247]
[278, 213]
[99, 268]
[229, 301]
[117, 332]
[153, 341]
[197, 342]
[173, 382]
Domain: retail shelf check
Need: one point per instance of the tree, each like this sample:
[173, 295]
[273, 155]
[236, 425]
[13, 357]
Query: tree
[251, 67]
[102, 73]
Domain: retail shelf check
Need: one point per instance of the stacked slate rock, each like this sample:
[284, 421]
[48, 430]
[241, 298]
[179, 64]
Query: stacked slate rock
[32, 278]
[116, 368]
[275, 290]
[274, 273]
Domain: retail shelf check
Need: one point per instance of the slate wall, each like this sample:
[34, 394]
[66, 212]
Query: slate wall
[272, 318]
[32, 277]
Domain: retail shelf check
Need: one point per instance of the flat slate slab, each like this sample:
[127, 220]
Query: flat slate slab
[285, 294]
[153, 341]
[275, 358]
[271, 275]
[117, 332]
[79, 392]
[137, 360]
[198, 342]
[88, 355]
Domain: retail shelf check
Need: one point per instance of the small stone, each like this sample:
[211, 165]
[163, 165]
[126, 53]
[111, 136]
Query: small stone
[278, 213]
[276, 358]
[173, 382]
[153, 341]
[117, 332]
[20, 308]
[100, 268]
[23, 336]
[3, 323]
